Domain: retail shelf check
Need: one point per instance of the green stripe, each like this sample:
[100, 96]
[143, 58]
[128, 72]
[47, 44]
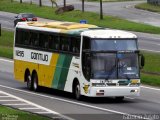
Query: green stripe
[64, 72]
[61, 72]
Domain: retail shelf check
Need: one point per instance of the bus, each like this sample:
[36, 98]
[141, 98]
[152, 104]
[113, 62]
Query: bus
[83, 59]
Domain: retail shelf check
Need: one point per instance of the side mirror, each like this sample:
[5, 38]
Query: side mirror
[142, 61]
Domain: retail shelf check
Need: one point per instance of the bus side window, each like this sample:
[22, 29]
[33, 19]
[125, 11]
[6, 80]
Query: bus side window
[18, 37]
[54, 43]
[75, 43]
[34, 39]
[43, 41]
[25, 38]
[65, 43]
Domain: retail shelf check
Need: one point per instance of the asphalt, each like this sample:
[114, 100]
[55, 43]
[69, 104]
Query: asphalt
[89, 108]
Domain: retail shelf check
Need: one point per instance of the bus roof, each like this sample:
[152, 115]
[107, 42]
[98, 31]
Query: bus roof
[87, 30]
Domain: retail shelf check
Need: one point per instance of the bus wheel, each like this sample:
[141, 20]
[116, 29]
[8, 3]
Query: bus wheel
[119, 99]
[77, 92]
[29, 82]
[35, 82]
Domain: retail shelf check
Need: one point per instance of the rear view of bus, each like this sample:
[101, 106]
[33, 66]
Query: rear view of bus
[111, 63]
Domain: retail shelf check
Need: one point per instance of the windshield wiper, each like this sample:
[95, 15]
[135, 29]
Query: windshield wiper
[110, 72]
[121, 67]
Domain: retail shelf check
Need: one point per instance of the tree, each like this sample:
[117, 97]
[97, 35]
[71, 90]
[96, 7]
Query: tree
[20, 1]
[101, 10]
[82, 5]
[54, 2]
[31, 2]
[64, 3]
[40, 3]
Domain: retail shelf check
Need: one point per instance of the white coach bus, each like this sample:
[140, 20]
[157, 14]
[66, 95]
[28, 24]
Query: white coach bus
[79, 58]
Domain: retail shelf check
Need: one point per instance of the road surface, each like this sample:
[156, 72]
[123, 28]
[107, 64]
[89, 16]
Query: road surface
[95, 108]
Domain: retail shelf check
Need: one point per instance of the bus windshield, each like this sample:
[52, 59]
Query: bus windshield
[114, 66]
[113, 45]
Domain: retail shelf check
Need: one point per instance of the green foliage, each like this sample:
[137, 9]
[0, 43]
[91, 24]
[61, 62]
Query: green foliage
[6, 44]
[152, 62]
[20, 115]
[149, 7]
[76, 16]
[150, 79]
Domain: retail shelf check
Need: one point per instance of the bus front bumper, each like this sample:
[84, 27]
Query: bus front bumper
[113, 91]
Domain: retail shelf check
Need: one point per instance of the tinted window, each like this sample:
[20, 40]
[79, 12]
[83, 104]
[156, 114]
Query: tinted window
[97, 45]
[54, 42]
[34, 39]
[28, 15]
[65, 43]
[43, 40]
[75, 44]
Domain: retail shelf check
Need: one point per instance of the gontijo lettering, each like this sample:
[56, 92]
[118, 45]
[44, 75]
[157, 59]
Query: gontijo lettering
[39, 56]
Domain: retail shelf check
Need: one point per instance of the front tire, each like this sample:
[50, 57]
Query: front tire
[77, 91]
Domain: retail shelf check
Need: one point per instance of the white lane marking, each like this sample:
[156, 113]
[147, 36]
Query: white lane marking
[38, 106]
[8, 100]
[130, 98]
[4, 96]
[33, 108]
[5, 60]
[152, 88]
[16, 104]
[150, 50]
[71, 102]
[42, 112]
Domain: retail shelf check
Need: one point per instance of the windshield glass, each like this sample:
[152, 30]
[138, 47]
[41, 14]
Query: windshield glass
[104, 45]
[114, 66]
[28, 15]
[128, 66]
[103, 65]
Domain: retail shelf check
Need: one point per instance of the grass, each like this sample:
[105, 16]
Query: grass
[76, 16]
[152, 80]
[149, 7]
[6, 44]
[151, 59]
[152, 63]
[7, 113]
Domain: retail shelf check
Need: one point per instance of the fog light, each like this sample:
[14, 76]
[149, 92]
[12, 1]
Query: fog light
[134, 90]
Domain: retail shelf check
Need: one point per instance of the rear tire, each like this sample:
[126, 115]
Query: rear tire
[35, 82]
[29, 82]
[77, 92]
